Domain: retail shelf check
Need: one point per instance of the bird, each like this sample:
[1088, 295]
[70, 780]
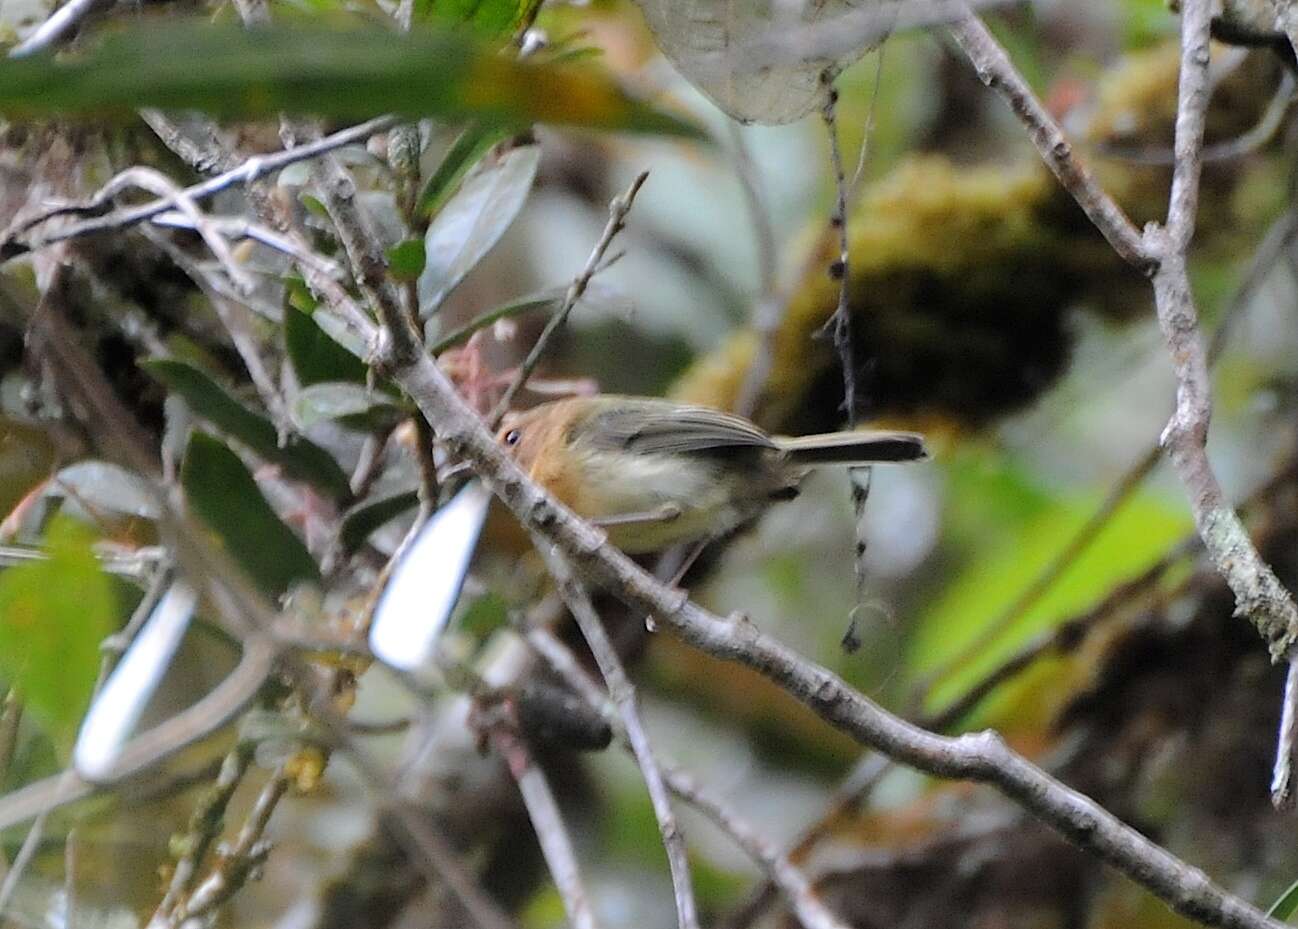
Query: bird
[654, 473]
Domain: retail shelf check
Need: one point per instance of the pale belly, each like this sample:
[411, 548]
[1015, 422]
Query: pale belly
[646, 485]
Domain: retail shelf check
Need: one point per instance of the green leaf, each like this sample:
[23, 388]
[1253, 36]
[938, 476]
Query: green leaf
[1284, 907]
[406, 260]
[473, 142]
[300, 458]
[547, 299]
[53, 615]
[314, 355]
[473, 221]
[486, 18]
[342, 400]
[1027, 537]
[366, 517]
[224, 495]
[228, 71]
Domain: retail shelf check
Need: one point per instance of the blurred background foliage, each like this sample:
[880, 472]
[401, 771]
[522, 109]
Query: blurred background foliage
[988, 313]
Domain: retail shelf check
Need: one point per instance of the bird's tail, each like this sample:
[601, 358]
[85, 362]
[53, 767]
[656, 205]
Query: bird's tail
[854, 448]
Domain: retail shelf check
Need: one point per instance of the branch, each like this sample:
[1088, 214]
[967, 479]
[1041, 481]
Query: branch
[1161, 253]
[547, 823]
[624, 698]
[237, 863]
[981, 757]
[56, 27]
[792, 881]
[617, 211]
[780, 870]
[251, 170]
[997, 71]
[204, 829]
[1259, 595]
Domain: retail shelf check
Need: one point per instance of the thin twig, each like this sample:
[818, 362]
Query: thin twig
[782, 873]
[205, 155]
[863, 156]
[1259, 595]
[981, 757]
[617, 212]
[56, 28]
[205, 825]
[839, 271]
[235, 325]
[859, 783]
[237, 863]
[998, 72]
[1245, 144]
[792, 881]
[158, 184]
[250, 170]
[1161, 252]
[623, 695]
[238, 227]
[547, 823]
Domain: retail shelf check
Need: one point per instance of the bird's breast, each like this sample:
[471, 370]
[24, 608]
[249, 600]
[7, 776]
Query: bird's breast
[620, 485]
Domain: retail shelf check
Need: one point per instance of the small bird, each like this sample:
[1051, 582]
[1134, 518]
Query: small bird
[653, 473]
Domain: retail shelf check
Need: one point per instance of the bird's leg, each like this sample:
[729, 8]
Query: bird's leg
[663, 514]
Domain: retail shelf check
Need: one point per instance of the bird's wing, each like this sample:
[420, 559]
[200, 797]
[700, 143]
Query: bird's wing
[661, 427]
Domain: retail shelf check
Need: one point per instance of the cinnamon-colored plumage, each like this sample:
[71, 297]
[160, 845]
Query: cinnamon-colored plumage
[654, 473]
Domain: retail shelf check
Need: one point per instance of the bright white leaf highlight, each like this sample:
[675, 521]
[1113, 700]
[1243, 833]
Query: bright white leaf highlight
[114, 714]
[416, 605]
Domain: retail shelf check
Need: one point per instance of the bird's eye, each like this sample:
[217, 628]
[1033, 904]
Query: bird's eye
[512, 437]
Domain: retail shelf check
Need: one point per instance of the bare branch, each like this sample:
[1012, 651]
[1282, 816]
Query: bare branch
[1259, 595]
[237, 863]
[624, 698]
[547, 822]
[781, 871]
[204, 829]
[250, 170]
[56, 28]
[998, 72]
[981, 757]
[792, 881]
[617, 211]
[1161, 253]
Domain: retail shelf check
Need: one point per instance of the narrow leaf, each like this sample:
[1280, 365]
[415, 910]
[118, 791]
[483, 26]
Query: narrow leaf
[545, 300]
[367, 517]
[315, 356]
[224, 495]
[104, 486]
[228, 71]
[337, 400]
[473, 221]
[53, 615]
[1284, 907]
[127, 691]
[468, 148]
[300, 458]
[425, 584]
